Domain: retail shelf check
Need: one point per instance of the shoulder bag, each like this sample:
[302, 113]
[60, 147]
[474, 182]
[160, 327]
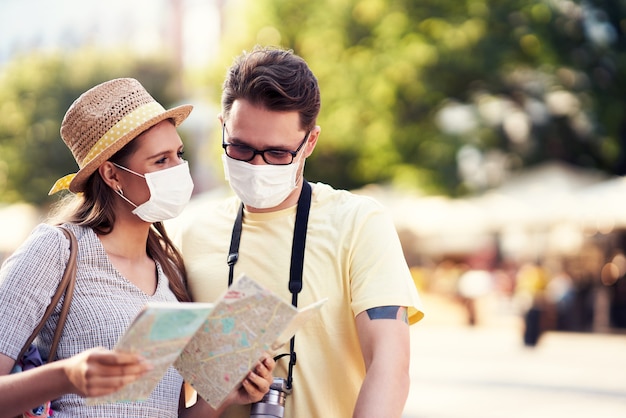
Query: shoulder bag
[29, 357]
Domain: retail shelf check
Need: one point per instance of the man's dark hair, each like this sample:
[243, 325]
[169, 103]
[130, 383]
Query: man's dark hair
[276, 79]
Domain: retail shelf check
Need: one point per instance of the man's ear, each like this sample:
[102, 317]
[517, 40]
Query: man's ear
[312, 141]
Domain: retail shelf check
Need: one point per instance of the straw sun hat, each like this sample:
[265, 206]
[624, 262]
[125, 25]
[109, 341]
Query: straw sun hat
[104, 119]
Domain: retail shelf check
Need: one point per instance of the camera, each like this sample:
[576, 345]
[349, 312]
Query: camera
[273, 403]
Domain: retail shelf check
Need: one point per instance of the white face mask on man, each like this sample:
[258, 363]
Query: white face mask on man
[261, 186]
[170, 191]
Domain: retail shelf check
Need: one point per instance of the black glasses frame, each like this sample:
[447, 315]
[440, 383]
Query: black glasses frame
[256, 152]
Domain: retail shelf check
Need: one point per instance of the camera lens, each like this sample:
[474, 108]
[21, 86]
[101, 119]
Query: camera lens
[273, 403]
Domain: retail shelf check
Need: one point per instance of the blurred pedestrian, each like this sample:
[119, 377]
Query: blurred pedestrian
[531, 281]
[474, 284]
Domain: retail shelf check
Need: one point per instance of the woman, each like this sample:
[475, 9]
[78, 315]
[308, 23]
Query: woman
[131, 177]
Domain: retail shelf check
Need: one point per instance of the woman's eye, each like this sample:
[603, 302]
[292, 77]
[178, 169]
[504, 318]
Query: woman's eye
[181, 154]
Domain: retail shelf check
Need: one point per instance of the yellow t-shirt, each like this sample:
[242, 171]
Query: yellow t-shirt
[353, 257]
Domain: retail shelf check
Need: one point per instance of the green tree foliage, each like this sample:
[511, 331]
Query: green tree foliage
[442, 94]
[35, 92]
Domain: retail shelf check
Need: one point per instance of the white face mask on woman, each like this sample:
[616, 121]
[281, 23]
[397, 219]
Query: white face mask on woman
[170, 191]
[261, 186]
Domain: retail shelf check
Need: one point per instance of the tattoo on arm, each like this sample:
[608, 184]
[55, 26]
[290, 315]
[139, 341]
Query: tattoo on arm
[387, 312]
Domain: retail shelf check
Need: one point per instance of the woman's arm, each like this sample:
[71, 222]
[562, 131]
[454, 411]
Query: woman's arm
[93, 372]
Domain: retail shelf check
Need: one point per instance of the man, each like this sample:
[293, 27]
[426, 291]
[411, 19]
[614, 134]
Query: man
[353, 359]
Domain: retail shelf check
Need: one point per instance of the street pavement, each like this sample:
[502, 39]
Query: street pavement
[485, 371]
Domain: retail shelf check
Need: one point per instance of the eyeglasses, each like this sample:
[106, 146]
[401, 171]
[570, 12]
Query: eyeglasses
[270, 156]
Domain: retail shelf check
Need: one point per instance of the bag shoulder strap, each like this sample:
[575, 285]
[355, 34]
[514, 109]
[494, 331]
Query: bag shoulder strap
[66, 287]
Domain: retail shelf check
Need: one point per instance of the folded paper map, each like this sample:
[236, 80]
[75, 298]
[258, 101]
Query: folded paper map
[159, 333]
[245, 323]
[213, 346]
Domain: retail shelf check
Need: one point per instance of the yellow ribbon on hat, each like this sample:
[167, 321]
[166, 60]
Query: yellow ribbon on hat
[121, 128]
[62, 184]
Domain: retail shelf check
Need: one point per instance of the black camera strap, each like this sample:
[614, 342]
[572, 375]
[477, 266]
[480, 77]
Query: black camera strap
[297, 259]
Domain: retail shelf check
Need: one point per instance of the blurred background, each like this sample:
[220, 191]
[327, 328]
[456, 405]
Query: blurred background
[493, 130]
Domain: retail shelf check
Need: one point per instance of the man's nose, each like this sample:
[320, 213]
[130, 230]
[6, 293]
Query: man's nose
[257, 160]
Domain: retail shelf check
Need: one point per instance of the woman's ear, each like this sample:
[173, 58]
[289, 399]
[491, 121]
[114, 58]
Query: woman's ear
[109, 174]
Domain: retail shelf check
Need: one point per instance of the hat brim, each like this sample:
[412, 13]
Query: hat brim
[177, 114]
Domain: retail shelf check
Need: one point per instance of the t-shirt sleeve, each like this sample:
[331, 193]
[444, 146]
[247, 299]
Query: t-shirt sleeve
[28, 280]
[378, 270]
